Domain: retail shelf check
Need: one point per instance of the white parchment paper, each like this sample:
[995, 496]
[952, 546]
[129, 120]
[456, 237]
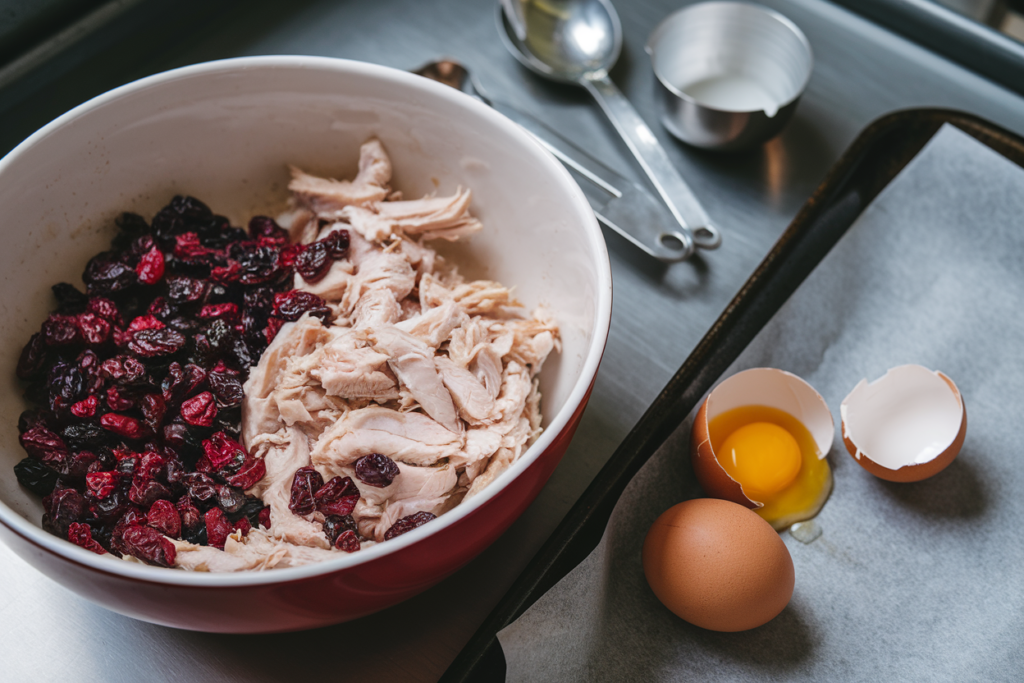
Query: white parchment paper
[920, 581]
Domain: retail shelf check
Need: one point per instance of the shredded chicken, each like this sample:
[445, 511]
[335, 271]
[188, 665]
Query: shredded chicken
[416, 364]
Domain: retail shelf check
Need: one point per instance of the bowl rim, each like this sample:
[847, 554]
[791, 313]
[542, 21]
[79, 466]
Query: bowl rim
[400, 79]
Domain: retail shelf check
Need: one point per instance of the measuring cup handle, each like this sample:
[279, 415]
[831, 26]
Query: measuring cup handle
[652, 157]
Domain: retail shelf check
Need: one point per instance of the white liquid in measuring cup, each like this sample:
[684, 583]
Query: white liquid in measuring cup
[730, 92]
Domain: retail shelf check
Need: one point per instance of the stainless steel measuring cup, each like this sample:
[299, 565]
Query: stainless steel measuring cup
[729, 74]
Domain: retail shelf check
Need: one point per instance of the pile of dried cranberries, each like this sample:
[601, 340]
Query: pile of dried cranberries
[139, 380]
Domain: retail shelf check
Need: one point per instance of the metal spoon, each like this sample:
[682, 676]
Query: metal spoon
[619, 204]
[578, 41]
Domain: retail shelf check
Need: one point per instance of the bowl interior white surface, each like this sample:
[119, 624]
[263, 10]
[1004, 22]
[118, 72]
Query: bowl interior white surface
[224, 133]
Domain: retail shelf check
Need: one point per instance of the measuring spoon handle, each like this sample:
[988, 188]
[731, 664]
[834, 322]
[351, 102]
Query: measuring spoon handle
[652, 157]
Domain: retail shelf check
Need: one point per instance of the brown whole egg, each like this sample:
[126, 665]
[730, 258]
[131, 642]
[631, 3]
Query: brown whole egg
[718, 565]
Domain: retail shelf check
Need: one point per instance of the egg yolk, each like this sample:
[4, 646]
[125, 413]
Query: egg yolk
[763, 456]
[775, 459]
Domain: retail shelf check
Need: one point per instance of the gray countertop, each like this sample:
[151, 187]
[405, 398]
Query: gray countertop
[660, 313]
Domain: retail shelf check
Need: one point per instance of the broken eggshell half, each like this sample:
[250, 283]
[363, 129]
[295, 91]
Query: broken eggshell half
[766, 387]
[907, 425]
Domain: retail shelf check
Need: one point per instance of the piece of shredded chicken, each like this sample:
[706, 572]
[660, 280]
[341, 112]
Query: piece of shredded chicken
[434, 372]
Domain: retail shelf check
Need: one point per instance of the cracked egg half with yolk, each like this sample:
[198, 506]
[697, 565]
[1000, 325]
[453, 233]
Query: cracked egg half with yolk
[760, 440]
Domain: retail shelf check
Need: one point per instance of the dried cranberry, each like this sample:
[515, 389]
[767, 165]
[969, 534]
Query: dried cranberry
[69, 299]
[406, 524]
[85, 408]
[172, 386]
[181, 213]
[258, 264]
[106, 309]
[200, 410]
[251, 471]
[188, 513]
[126, 466]
[291, 305]
[174, 470]
[226, 387]
[66, 382]
[77, 465]
[148, 545]
[132, 224]
[187, 246]
[63, 506]
[144, 322]
[376, 470]
[33, 357]
[337, 497]
[264, 517]
[274, 326]
[125, 426]
[210, 311]
[92, 329]
[161, 309]
[43, 445]
[35, 476]
[84, 435]
[347, 541]
[264, 226]
[117, 402]
[104, 274]
[105, 461]
[153, 409]
[218, 528]
[157, 342]
[306, 483]
[102, 484]
[335, 525]
[313, 262]
[150, 465]
[243, 354]
[89, 363]
[183, 439]
[287, 256]
[150, 268]
[181, 290]
[259, 299]
[163, 517]
[337, 241]
[145, 492]
[32, 418]
[201, 488]
[124, 370]
[60, 330]
[243, 525]
[214, 342]
[221, 453]
[108, 510]
[226, 274]
[81, 535]
[230, 499]
[216, 232]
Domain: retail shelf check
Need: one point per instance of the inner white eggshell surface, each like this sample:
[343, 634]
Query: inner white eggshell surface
[776, 389]
[909, 416]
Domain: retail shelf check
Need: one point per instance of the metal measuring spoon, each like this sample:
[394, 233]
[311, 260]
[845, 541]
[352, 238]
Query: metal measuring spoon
[619, 204]
[578, 41]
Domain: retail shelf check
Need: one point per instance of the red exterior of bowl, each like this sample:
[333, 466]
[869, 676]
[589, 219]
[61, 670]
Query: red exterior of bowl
[317, 601]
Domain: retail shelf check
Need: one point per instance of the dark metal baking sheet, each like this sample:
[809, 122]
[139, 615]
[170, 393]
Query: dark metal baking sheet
[870, 163]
